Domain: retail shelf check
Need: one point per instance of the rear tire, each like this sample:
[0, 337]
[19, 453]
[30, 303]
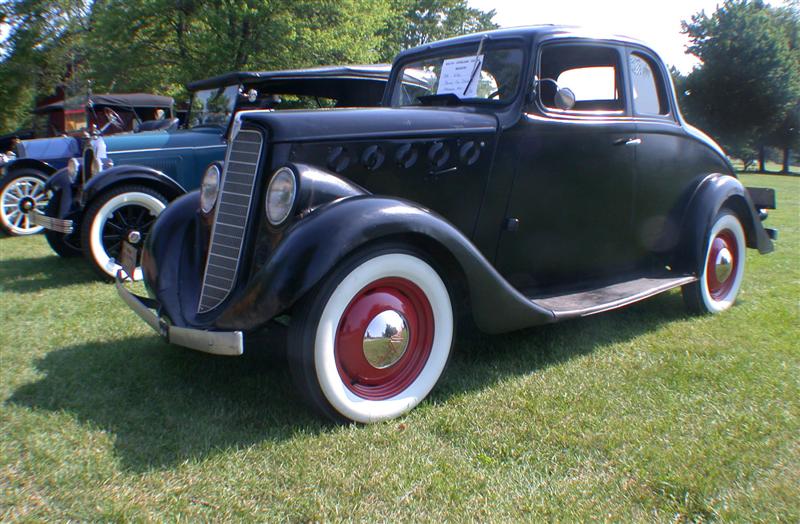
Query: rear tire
[110, 218]
[373, 339]
[24, 187]
[722, 272]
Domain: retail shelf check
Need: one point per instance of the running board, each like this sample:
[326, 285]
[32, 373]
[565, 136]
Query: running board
[606, 297]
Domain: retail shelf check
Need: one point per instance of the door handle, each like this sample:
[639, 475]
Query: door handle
[628, 142]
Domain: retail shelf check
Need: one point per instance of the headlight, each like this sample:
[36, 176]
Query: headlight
[209, 188]
[73, 168]
[280, 195]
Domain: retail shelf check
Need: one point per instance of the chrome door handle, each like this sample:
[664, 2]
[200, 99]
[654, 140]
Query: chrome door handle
[628, 142]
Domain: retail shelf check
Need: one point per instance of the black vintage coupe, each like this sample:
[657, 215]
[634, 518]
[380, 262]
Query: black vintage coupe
[533, 175]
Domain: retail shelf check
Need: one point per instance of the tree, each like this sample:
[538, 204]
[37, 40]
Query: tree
[749, 79]
[416, 22]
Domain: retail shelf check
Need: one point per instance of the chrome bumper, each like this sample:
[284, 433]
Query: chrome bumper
[230, 343]
[53, 224]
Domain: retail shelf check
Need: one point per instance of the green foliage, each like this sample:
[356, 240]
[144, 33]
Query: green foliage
[416, 22]
[749, 80]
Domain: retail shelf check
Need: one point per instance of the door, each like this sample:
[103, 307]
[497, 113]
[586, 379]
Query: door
[569, 211]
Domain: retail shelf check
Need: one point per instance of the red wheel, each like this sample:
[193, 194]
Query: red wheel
[373, 342]
[723, 268]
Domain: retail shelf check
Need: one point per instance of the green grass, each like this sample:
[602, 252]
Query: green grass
[641, 414]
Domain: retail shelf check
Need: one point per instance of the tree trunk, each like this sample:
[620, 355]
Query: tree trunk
[762, 159]
[787, 153]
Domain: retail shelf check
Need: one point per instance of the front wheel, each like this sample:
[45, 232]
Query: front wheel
[122, 213]
[22, 192]
[723, 267]
[371, 343]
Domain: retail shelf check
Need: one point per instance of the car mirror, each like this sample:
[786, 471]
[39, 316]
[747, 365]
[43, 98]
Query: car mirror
[565, 98]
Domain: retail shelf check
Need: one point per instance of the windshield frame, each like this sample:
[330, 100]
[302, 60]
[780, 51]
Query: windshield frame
[466, 49]
[224, 126]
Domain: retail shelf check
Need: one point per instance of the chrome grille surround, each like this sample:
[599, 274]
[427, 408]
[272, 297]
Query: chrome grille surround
[230, 218]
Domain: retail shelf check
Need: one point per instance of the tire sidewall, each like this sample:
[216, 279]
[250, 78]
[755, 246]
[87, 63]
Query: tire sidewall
[329, 306]
[101, 210]
[725, 220]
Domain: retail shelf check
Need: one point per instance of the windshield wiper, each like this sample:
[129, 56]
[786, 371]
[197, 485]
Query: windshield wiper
[477, 66]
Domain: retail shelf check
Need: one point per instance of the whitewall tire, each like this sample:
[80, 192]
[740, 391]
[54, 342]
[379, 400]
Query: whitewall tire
[21, 193]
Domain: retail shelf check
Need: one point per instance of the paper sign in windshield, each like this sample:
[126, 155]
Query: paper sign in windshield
[455, 76]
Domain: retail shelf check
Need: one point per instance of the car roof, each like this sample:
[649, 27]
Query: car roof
[539, 32]
[123, 100]
[367, 72]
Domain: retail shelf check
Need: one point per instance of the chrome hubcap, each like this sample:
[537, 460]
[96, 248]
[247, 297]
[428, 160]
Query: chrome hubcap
[134, 237]
[723, 265]
[386, 339]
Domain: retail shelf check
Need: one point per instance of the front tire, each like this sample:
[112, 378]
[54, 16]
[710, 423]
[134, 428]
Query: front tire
[111, 218]
[21, 192]
[721, 275]
[372, 341]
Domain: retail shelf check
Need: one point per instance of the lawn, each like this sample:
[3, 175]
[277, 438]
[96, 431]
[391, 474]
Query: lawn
[641, 414]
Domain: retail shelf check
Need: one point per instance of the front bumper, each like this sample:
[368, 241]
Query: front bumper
[229, 343]
[53, 224]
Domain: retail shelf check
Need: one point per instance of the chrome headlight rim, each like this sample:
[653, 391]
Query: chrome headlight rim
[209, 188]
[278, 206]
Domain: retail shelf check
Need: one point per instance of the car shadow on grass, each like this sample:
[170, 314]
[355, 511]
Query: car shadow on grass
[30, 275]
[165, 405]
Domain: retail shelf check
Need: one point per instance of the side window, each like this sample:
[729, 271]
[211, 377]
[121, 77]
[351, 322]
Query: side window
[648, 87]
[591, 72]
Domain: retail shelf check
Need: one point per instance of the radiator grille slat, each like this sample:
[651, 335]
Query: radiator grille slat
[230, 217]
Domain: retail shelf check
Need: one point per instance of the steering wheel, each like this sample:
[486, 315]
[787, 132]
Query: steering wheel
[113, 118]
[496, 93]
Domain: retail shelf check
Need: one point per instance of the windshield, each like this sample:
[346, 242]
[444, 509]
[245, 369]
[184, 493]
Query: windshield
[213, 107]
[489, 77]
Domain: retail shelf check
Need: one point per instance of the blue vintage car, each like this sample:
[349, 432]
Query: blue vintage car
[94, 207]
[26, 165]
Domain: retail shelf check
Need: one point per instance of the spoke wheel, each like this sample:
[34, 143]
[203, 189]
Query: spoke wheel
[21, 193]
[372, 340]
[721, 274]
[113, 217]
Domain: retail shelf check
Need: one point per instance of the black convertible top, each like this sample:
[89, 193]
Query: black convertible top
[374, 72]
[122, 100]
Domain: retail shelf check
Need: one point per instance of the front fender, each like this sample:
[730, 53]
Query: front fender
[314, 245]
[712, 194]
[31, 163]
[63, 203]
[132, 174]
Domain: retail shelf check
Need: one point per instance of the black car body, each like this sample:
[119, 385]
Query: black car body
[153, 168]
[563, 184]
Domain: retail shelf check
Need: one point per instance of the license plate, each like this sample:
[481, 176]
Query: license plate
[128, 257]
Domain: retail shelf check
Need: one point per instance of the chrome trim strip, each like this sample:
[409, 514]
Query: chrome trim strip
[228, 343]
[163, 149]
[208, 303]
[53, 224]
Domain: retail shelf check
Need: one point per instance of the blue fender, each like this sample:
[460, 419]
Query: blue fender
[131, 174]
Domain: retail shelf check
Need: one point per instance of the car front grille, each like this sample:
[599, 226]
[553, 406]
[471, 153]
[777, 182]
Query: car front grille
[227, 234]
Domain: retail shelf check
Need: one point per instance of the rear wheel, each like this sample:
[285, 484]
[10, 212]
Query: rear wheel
[723, 267]
[122, 213]
[372, 341]
[22, 192]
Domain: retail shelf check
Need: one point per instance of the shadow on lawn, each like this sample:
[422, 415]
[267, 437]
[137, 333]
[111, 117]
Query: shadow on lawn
[165, 405]
[29, 275]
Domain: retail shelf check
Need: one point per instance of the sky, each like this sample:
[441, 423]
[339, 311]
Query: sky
[656, 22]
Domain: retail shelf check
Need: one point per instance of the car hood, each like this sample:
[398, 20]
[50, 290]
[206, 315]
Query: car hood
[162, 139]
[49, 148]
[346, 124]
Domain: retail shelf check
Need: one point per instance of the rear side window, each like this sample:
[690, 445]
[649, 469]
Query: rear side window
[591, 72]
[648, 89]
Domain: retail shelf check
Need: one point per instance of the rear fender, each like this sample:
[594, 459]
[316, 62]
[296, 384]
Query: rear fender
[712, 194]
[313, 246]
